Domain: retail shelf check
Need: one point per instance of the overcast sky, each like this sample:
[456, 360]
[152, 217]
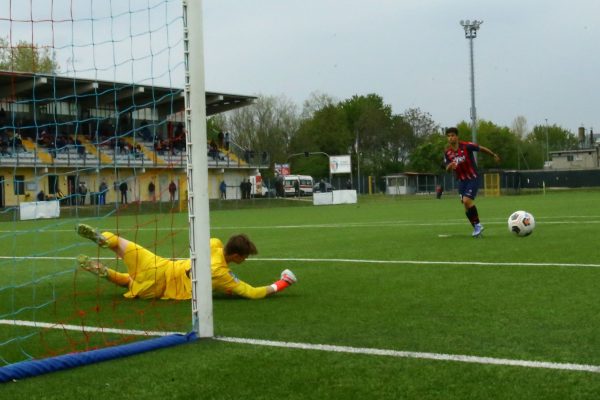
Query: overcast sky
[535, 58]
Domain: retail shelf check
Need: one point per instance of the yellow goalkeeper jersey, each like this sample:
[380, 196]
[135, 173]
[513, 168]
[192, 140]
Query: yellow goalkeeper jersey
[157, 277]
[224, 280]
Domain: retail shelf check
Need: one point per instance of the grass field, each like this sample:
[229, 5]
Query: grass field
[447, 313]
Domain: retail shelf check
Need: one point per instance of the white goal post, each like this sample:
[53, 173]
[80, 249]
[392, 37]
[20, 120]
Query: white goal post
[197, 169]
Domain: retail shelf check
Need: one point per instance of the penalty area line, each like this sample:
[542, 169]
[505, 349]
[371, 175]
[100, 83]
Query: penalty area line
[329, 348]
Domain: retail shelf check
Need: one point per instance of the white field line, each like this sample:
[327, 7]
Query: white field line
[421, 262]
[361, 261]
[82, 328]
[418, 355]
[580, 219]
[333, 348]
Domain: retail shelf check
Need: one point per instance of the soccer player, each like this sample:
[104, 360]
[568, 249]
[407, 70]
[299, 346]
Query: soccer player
[459, 158]
[151, 276]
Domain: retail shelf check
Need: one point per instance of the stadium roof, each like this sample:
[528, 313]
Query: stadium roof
[41, 88]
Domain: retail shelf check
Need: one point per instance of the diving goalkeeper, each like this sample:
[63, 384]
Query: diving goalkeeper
[150, 276]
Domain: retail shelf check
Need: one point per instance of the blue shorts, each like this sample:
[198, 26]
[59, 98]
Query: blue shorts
[468, 188]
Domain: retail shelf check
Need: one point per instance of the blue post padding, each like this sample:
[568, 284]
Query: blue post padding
[27, 369]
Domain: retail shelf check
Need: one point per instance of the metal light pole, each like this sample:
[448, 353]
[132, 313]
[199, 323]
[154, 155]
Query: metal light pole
[471, 28]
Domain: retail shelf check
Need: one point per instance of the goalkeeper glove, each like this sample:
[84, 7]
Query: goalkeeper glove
[287, 278]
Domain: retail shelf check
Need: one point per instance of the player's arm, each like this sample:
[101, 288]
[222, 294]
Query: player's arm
[450, 164]
[489, 152]
[242, 289]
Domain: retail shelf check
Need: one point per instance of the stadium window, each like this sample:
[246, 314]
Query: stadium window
[19, 184]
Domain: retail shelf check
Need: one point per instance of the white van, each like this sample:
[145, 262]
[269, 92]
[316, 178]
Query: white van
[305, 185]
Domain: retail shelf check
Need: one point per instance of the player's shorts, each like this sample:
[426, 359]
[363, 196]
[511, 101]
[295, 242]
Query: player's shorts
[468, 188]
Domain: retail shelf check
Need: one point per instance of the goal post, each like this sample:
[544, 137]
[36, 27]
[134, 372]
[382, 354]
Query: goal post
[110, 133]
[197, 169]
[491, 184]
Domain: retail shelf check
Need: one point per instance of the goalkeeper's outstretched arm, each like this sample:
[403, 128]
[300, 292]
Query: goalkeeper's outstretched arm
[287, 279]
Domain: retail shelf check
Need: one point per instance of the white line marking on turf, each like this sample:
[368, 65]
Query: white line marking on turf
[418, 355]
[359, 261]
[83, 328]
[327, 347]
[480, 263]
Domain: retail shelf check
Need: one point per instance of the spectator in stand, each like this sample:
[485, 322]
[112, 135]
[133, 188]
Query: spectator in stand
[158, 148]
[4, 148]
[41, 196]
[80, 149]
[121, 146]
[146, 134]
[213, 151]
[17, 143]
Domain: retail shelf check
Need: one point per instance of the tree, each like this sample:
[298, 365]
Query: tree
[429, 155]
[315, 102]
[519, 126]
[267, 125]
[499, 139]
[26, 57]
[326, 131]
[557, 137]
[421, 122]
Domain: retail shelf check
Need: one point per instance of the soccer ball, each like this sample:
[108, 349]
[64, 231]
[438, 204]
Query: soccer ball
[521, 223]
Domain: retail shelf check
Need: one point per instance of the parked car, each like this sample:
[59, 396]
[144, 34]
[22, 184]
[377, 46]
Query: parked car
[328, 187]
[267, 191]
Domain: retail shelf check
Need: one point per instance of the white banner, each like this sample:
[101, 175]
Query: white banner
[340, 164]
[39, 209]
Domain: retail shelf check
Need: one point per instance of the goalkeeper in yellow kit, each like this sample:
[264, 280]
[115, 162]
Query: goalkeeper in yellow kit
[150, 276]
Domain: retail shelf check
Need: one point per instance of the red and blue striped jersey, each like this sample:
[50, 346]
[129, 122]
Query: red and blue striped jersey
[466, 167]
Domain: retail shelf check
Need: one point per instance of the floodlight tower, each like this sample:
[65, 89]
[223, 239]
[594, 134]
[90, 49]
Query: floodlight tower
[471, 28]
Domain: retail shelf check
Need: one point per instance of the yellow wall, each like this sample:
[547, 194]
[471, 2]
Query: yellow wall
[137, 183]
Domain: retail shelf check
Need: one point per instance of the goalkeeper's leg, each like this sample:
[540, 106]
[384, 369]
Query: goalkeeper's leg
[97, 268]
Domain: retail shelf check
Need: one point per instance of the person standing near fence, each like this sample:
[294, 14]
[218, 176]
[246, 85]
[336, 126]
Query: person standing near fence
[102, 189]
[123, 189]
[223, 190]
[152, 191]
[172, 190]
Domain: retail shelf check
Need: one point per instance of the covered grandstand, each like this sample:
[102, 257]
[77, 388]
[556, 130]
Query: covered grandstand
[59, 132]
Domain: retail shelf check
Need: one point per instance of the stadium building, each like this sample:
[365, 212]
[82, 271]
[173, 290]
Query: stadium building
[58, 133]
